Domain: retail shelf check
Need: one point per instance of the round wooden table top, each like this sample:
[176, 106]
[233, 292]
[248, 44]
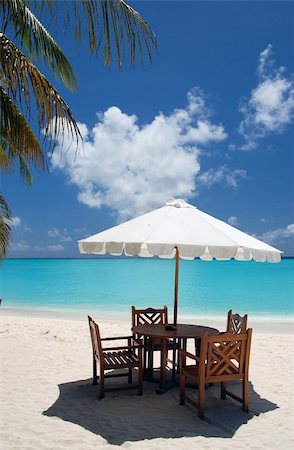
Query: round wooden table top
[182, 330]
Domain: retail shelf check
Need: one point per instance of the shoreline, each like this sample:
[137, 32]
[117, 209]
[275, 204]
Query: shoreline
[268, 324]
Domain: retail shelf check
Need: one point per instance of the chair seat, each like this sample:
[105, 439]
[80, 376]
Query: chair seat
[120, 359]
[128, 357]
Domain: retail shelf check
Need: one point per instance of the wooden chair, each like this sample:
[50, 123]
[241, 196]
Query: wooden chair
[113, 358]
[236, 324]
[223, 358]
[150, 316]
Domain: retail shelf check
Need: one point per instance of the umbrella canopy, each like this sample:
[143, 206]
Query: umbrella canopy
[179, 229]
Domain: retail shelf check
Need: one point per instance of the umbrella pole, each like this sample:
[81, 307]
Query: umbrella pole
[176, 287]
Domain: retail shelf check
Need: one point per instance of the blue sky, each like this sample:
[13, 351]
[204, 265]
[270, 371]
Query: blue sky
[210, 121]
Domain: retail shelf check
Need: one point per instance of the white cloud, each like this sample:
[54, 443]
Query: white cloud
[270, 107]
[131, 168]
[233, 221]
[62, 235]
[19, 246]
[50, 248]
[277, 235]
[55, 248]
[15, 221]
[222, 175]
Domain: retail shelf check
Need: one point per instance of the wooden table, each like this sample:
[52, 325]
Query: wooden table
[180, 333]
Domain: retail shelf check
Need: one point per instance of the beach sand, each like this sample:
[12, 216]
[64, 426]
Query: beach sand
[48, 401]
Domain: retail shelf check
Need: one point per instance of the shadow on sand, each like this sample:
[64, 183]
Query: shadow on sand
[123, 416]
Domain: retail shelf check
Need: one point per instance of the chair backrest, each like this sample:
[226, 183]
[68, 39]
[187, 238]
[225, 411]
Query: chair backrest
[96, 339]
[225, 357]
[236, 324]
[149, 316]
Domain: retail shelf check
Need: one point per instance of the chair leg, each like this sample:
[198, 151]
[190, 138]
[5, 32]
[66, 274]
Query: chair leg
[150, 361]
[94, 371]
[178, 357]
[223, 390]
[101, 383]
[182, 389]
[182, 344]
[145, 354]
[201, 400]
[140, 373]
[197, 346]
[174, 363]
[130, 376]
[245, 394]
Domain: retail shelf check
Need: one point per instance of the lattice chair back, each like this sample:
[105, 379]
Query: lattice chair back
[149, 316]
[224, 357]
[96, 339]
[236, 324]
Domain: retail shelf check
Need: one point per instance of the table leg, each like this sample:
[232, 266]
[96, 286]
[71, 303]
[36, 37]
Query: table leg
[174, 363]
[162, 366]
[148, 375]
[164, 384]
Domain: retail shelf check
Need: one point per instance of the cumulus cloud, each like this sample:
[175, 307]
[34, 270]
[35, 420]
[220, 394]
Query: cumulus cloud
[233, 221]
[222, 174]
[270, 107]
[62, 235]
[131, 168]
[277, 235]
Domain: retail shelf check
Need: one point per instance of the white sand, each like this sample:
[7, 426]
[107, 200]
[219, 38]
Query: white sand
[48, 401]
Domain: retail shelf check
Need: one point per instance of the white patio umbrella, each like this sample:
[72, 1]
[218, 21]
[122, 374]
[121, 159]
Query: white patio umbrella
[179, 230]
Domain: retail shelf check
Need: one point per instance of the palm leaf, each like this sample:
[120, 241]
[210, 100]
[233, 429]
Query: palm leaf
[114, 24]
[37, 40]
[9, 160]
[5, 229]
[16, 137]
[21, 79]
[110, 23]
[123, 27]
[24, 171]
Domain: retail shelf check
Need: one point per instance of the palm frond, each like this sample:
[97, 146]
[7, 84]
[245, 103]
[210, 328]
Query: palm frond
[16, 137]
[5, 229]
[9, 160]
[37, 40]
[116, 24]
[138, 31]
[24, 171]
[21, 79]
[112, 24]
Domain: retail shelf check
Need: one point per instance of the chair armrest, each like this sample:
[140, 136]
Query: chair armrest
[116, 338]
[125, 347]
[189, 355]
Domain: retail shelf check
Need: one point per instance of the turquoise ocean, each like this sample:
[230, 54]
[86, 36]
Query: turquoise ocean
[112, 285]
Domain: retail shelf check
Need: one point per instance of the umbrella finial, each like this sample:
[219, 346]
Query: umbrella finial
[178, 203]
